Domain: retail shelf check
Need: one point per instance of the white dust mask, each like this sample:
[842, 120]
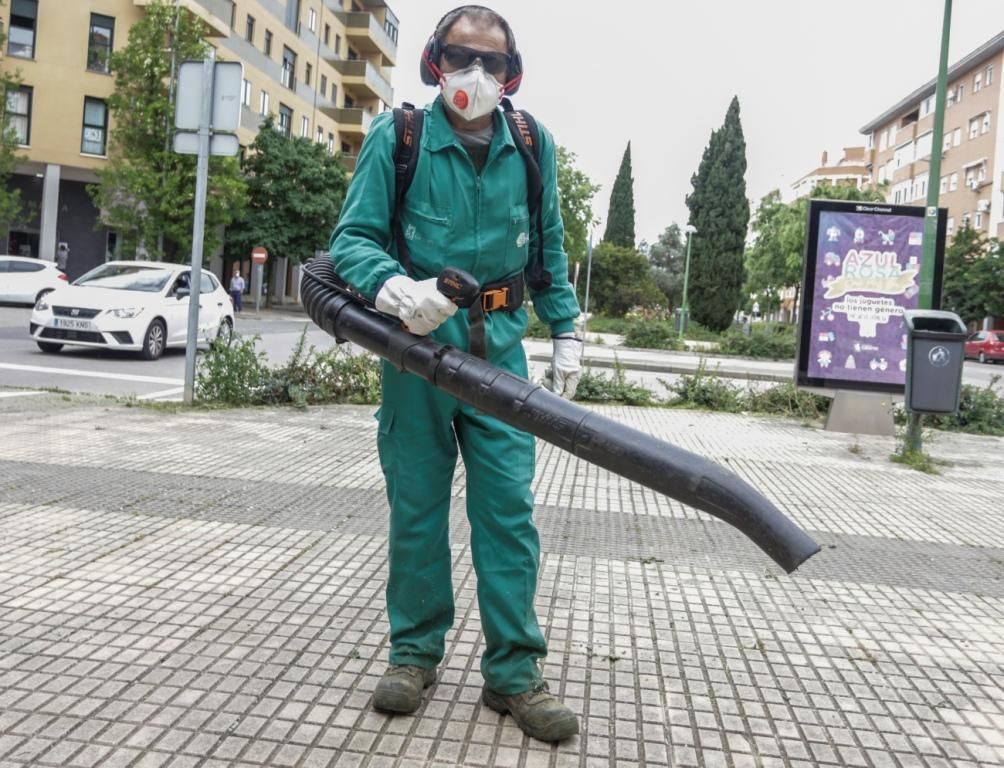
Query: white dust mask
[471, 92]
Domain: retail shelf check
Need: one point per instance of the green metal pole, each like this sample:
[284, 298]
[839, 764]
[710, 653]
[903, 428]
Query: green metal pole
[926, 298]
[685, 309]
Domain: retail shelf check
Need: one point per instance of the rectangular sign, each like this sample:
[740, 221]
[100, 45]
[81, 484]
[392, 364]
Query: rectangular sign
[862, 271]
[228, 78]
[224, 144]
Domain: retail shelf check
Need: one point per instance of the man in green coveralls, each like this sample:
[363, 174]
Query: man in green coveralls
[466, 207]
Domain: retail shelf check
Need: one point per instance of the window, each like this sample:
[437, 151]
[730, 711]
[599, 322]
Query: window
[944, 185]
[990, 74]
[304, 126]
[953, 182]
[99, 43]
[24, 267]
[246, 93]
[923, 145]
[977, 82]
[331, 143]
[21, 37]
[263, 104]
[981, 172]
[948, 142]
[974, 128]
[307, 72]
[324, 85]
[268, 42]
[19, 113]
[951, 224]
[338, 45]
[285, 120]
[978, 221]
[334, 94]
[288, 77]
[949, 96]
[352, 55]
[95, 127]
[957, 137]
[986, 123]
[927, 106]
[249, 29]
[233, 15]
[319, 135]
[327, 34]
[883, 141]
[959, 93]
[882, 174]
[312, 20]
[966, 219]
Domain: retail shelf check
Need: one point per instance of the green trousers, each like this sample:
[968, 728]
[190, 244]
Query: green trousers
[420, 431]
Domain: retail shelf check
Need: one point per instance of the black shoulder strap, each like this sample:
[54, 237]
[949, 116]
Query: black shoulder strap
[408, 131]
[526, 135]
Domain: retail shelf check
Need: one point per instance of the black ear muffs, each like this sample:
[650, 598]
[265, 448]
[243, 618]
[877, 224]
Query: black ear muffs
[431, 74]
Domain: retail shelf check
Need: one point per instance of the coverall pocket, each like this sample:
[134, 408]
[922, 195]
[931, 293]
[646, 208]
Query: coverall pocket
[427, 226]
[518, 239]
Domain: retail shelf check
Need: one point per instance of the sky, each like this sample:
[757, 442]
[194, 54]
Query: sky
[661, 73]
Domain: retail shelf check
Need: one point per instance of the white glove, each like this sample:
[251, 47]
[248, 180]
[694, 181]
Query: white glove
[420, 306]
[566, 365]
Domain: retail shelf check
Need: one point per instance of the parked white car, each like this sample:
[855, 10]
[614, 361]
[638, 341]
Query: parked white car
[25, 280]
[140, 306]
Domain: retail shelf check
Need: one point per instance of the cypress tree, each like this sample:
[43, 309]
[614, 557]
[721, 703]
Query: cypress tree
[720, 212]
[620, 217]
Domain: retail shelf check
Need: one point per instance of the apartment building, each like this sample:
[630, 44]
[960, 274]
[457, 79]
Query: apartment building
[322, 68]
[851, 171]
[971, 183]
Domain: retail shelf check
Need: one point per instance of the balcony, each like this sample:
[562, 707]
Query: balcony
[217, 14]
[351, 121]
[366, 34]
[365, 79]
[349, 163]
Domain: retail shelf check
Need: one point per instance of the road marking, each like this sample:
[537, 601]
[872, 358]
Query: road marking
[164, 393]
[92, 374]
[20, 394]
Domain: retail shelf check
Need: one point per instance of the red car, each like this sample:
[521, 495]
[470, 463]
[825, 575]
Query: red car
[986, 346]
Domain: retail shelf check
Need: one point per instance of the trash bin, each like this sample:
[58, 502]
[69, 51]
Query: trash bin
[936, 345]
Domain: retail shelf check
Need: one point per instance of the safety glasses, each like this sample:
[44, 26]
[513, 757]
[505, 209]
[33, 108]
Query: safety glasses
[461, 57]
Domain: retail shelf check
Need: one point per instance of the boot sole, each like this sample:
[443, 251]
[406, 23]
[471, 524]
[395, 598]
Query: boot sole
[556, 731]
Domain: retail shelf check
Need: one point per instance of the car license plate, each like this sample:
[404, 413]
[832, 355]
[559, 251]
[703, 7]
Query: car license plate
[71, 324]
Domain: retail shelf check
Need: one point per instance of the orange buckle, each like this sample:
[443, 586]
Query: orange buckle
[495, 299]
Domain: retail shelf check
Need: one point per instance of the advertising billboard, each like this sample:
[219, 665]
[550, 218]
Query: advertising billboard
[862, 271]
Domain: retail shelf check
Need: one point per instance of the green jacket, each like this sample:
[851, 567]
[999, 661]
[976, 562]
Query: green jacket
[453, 217]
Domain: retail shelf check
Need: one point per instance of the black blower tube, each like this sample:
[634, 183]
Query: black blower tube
[687, 477]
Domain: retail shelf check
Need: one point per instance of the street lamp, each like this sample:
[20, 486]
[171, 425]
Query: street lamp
[691, 230]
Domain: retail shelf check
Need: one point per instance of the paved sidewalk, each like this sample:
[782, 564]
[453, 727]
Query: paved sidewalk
[206, 589]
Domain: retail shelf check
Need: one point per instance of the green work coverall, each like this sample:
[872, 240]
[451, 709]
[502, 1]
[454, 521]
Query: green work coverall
[454, 216]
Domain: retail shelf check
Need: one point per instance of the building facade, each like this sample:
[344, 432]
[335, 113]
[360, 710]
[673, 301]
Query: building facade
[321, 68]
[971, 183]
[850, 171]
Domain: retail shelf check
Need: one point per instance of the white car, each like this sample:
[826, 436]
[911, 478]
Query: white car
[140, 306]
[24, 280]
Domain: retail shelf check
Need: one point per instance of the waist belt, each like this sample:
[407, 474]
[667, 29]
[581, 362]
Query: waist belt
[506, 295]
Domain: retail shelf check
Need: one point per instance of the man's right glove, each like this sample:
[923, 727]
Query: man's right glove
[417, 303]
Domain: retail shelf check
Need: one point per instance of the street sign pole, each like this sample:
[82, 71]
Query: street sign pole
[914, 440]
[201, 183]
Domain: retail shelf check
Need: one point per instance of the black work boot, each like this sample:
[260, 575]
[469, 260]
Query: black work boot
[400, 689]
[536, 712]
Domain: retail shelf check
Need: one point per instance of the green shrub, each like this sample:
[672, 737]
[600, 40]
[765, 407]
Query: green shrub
[776, 342]
[697, 332]
[600, 388]
[237, 375]
[707, 391]
[535, 328]
[981, 411]
[652, 334]
[787, 400]
[604, 324]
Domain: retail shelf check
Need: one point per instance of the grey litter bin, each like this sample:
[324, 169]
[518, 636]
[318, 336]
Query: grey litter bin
[934, 355]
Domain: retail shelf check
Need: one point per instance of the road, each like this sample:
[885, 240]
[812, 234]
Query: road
[100, 372]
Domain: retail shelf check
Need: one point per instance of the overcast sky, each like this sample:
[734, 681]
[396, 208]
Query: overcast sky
[661, 73]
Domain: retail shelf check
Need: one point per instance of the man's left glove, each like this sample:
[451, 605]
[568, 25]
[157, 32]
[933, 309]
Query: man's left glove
[566, 365]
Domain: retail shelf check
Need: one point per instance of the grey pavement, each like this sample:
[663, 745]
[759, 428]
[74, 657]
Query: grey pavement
[205, 588]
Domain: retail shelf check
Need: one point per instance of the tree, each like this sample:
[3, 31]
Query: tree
[575, 193]
[620, 280]
[974, 276]
[295, 191]
[147, 191]
[720, 212]
[620, 217]
[668, 259]
[12, 208]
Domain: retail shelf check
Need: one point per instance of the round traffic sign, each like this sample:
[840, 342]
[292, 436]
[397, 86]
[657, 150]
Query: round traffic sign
[259, 255]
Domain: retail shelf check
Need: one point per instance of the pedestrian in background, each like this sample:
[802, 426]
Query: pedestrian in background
[237, 288]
